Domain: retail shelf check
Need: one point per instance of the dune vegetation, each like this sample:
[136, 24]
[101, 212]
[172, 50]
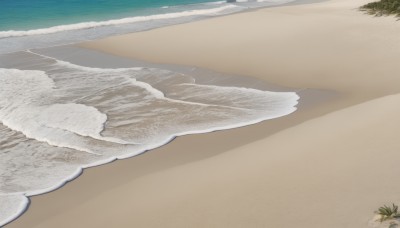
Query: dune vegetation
[387, 212]
[383, 7]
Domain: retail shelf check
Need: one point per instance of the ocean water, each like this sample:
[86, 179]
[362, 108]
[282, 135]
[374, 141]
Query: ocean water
[26, 15]
[57, 118]
[43, 23]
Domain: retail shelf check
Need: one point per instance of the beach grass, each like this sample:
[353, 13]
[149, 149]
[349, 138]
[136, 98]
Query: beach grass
[383, 7]
[387, 212]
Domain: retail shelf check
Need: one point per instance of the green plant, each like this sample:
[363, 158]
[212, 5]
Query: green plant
[387, 212]
[383, 7]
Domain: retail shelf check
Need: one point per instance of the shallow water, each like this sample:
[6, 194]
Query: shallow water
[57, 118]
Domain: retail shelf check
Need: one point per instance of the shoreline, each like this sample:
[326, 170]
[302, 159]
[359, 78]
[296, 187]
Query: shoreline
[134, 30]
[164, 161]
[84, 58]
[94, 59]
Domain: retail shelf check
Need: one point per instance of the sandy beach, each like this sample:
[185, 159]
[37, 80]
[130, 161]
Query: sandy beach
[330, 164]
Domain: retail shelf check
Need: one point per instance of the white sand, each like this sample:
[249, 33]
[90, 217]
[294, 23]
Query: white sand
[333, 176]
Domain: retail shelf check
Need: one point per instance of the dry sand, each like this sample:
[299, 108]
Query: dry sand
[326, 166]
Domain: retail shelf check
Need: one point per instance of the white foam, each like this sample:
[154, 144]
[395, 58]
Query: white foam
[11, 207]
[23, 109]
[121, 113]
[94, 24]
[216, 3]
[76, 118]
[160, 95]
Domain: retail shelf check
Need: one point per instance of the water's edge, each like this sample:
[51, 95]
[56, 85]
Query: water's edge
[24, 206]
[250, 83]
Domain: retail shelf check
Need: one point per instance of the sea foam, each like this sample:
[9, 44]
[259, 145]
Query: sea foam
[57, 118]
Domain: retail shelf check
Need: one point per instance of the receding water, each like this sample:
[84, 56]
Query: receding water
[57, 118]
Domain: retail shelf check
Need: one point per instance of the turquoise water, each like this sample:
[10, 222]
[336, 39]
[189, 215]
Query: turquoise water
[32, 24]
[34, 14]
